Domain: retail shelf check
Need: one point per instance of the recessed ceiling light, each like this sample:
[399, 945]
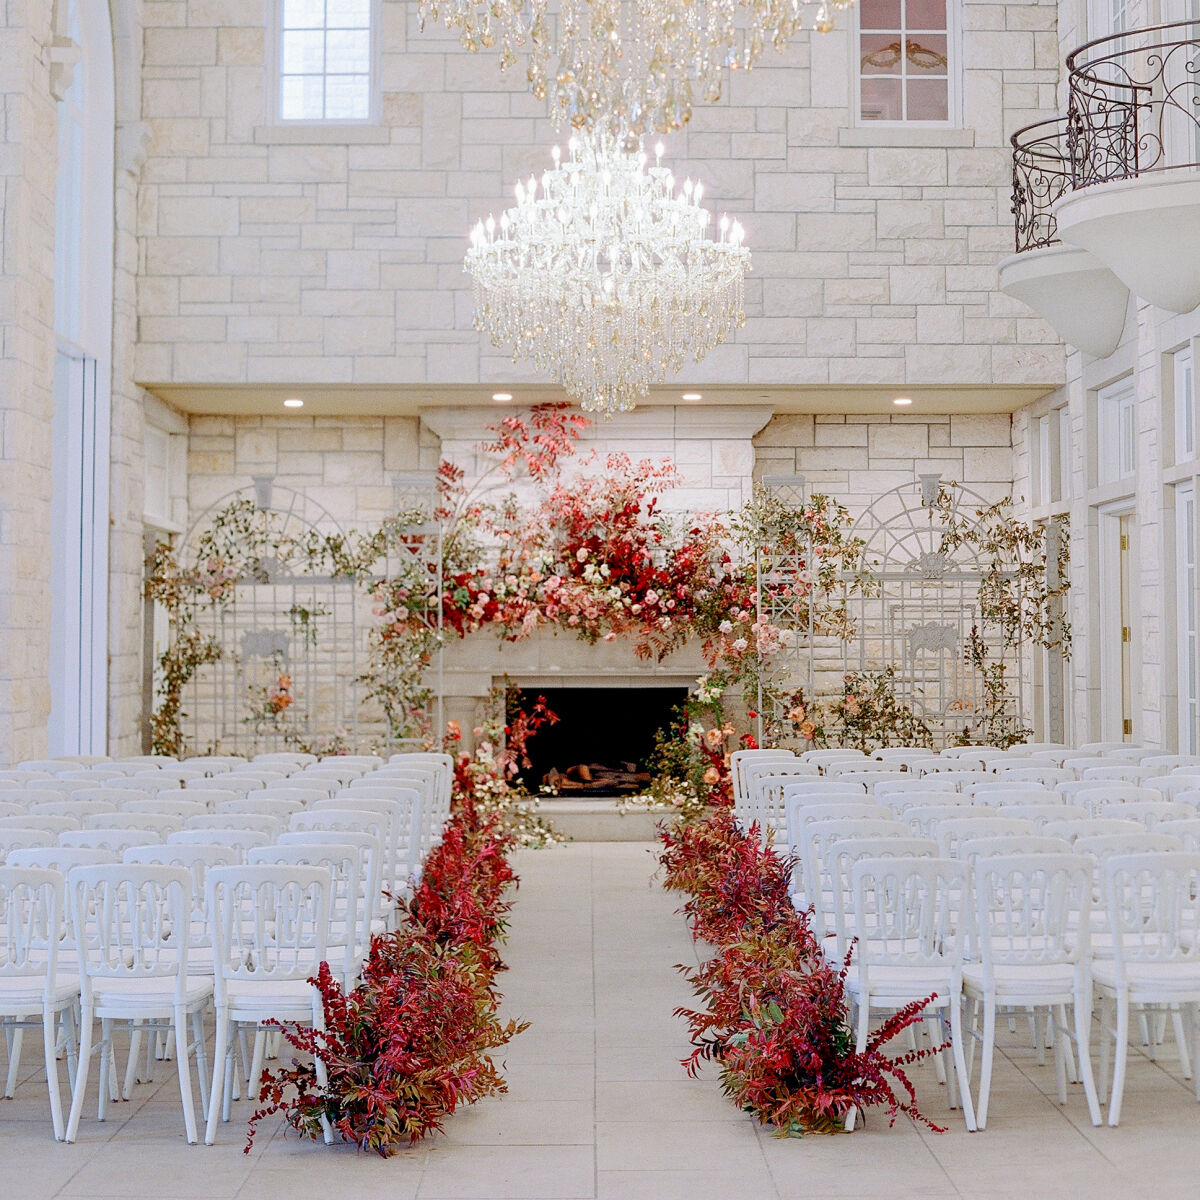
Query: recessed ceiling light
[501, 397]
[902, 401]
[293, 402]
[692, 396]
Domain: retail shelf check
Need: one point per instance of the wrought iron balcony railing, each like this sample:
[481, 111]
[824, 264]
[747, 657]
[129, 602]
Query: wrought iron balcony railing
[1041, 173]
[1134, 104]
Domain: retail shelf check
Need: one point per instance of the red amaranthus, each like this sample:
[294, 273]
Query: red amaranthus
[774, 1014]
[413, 1041]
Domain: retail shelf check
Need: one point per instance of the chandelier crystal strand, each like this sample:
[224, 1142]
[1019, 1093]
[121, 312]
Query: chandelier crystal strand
[604, 275]
[630, 66]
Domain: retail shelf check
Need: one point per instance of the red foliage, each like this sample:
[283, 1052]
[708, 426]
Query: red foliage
[775, 1009]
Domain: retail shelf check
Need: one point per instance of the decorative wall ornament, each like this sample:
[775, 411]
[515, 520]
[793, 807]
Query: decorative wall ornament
[630, 66]
[605, 275]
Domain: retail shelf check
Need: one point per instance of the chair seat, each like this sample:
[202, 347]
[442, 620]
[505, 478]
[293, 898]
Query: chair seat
[283, 998]
[22, 995]
[1024, 983]
[901, 984]
[115, 996]
[1181, 979]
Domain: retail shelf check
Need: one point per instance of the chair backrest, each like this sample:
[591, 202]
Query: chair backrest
[8, 809]
[116, 794]
[831, 856]
[1126, 772]
[31, 793]
[15, 775]
[1042, 814]
[161, 806]
[1002, 797]
[297, 783]
[954, 835]
[1032, 910]
[1169, 786]
[116, 840]
[1018, 843]
[159, 823]
[1048, 776]
[903, 802]
[280, 807]
[1186, 829]
[261, 823]
[1104, 845]
[200, 790]
[286, 759]
[801, 816]
[1148, 812]
[197, 861]
[1090, 827]
[991, 788]
[402, 806]
[913, 783]
[38, 820]
[346, 909]
[739, 757]
[72, 808]
[21, 839]
[820, 757]
[923, 820]
[236, 839]
[1153, 905]
[1093, 795]
[298, 797]
[370, 870]
[32, 904]
[270, 922]
[60, 858]
[907, 911]
[128, 918]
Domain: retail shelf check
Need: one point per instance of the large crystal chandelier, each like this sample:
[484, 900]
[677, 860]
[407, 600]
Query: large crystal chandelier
[630, 65]
[604, 274]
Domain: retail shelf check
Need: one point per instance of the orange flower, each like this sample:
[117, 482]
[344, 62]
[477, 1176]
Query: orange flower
[712, 776]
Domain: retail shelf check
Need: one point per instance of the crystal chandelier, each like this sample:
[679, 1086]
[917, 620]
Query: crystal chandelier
[604, 275]
[630, 65]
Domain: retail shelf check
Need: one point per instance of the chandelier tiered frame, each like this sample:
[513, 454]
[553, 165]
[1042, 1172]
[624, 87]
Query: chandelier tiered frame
[630, 66]
[604, 274]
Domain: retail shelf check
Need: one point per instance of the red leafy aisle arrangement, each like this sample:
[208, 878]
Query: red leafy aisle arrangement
[413, 1041]
[774, 1011]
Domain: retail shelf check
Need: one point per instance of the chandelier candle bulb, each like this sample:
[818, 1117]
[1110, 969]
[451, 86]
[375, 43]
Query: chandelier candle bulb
[608, 280]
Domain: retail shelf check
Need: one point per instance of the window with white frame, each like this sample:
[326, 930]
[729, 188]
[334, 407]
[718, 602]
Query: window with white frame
[325, 60]
[1107, 17]
[1188, 607]
[1186, 414]
[905, 60]
[1117, 444]
[1043, 490]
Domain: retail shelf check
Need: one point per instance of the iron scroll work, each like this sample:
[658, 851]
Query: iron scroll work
[917, 616]
[293, 643]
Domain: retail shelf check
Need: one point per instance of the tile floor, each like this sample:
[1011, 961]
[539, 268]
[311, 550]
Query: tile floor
[599, 1107]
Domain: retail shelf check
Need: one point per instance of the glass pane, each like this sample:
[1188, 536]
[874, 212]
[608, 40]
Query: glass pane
[928, 100]
[303, 14]
[879, 54]
[879, 14]
[301, 98]
[303, 53]
[925, 14]
[347, 52]
[881, 100]
[347, 98]
[349, 14]
[926, 54]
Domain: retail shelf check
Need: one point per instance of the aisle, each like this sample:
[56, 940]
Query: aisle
[599, 1108]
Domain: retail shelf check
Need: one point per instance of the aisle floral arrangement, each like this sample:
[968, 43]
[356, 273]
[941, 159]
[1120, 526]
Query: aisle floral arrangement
[414, 1040]
[774, 1010]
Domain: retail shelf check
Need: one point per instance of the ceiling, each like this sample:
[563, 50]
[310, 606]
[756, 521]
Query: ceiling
[334, 400]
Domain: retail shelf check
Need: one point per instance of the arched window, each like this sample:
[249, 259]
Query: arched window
[83, 297]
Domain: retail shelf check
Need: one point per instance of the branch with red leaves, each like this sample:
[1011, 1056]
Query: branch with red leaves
[773, 1014]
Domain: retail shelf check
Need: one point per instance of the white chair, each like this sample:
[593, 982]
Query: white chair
[353, 820]
[800, 816]
[924, 819]
[955, 835]
[159, 824]
[116, 840]
[1092, 795]
[1153, 905]
[133, 962]
[21, 839]
[1071, 831]
[32, 989]
[1047, 776]
[1186, 829]
[1032, 919]
[906, 914]
[160, 806]
[262, 806]
[1042, 814]
[270, 931]
[915, 783]
[17, 776]
[1171, 785]
[817, 757]
[307, 790]
[402, 807]
[79, 809]
[1001, 791]
[60, 858]
[903, 802]
[36, 820]
[12, 810]
[1021, 843]
[370, 870]
[115, 795]
[1123, 772]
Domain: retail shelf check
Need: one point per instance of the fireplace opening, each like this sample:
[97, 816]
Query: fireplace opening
[604, 739]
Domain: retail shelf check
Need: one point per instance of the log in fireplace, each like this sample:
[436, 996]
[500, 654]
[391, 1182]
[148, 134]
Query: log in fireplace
[604, 738]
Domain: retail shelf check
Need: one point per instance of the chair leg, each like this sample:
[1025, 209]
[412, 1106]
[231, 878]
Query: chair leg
[185, 1074]
[106, 1049]
[318, 1021]
[201, 1052]
[985, 1060]
[253, 1090]
[1083, 1031]
[81, 1073]
[71, 1040]
[1060, 1061]
[955, 1016]
[16, 1036]
[50, 1045]
[1121, 1054]
[221, 1052]
[1181, 1042]
[864, 1021]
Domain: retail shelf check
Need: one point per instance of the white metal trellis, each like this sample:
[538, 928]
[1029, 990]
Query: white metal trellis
[309, 627]
[917, 618]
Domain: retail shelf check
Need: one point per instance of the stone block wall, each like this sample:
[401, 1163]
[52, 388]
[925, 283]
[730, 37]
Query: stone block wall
[335, 255]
